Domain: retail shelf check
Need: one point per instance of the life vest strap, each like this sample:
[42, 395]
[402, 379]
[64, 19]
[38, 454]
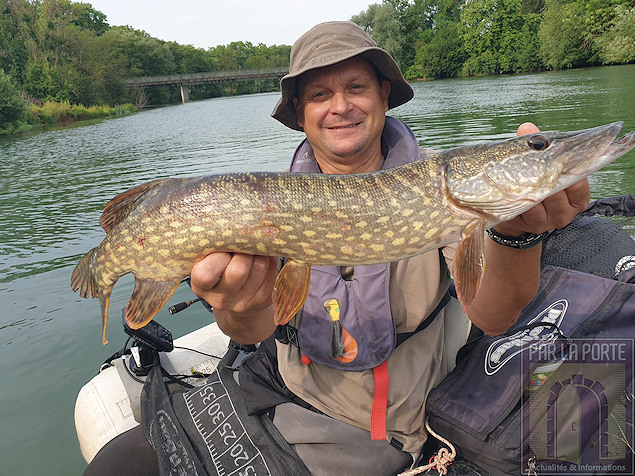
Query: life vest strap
[380, 402]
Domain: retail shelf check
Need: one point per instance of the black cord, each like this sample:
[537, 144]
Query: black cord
[198, 352]
[175, 379]
[133, 377]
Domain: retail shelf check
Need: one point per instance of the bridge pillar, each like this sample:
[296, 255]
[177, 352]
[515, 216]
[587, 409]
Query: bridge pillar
[185, 93]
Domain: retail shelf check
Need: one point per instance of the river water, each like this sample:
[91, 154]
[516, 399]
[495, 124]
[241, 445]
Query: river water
[54, 185]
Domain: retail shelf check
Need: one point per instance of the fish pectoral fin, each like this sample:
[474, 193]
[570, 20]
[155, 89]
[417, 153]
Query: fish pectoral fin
[117, 209]
[147, 299]
[290, 291]
[469, 262]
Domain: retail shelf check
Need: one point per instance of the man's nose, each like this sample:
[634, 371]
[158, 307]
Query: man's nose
[340, 102]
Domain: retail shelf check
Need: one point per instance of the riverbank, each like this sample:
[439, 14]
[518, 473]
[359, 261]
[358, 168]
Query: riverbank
[63, 113]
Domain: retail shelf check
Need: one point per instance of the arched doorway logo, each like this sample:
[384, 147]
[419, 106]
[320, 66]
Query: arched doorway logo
[593, 411]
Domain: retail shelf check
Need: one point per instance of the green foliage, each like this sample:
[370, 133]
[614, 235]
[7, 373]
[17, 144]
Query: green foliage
[136, 53]
[617, 43]
[498, 37]
[383, 24]
[61, 50]
[571, 28]
[441, 56]
[12, 105]
[13, 51]
[562, 35]
[64, 53]
[188, 59]
[52, 112]
[443, 38]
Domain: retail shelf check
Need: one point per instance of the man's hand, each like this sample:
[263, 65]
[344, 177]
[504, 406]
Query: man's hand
[555, 211]
[239, 288]
[235, 282]
[512, 276]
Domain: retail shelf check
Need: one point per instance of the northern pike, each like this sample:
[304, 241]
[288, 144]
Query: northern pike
[159, 229]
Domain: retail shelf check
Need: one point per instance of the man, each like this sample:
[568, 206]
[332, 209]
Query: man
[339, 87]
[363, 415]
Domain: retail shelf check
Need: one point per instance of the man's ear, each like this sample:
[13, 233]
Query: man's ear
[299, 112]
[385, 92]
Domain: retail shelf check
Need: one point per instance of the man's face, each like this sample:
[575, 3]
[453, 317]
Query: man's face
[342, 110]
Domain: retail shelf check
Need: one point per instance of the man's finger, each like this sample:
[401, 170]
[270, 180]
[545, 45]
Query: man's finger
[527, 128]
[207, 272]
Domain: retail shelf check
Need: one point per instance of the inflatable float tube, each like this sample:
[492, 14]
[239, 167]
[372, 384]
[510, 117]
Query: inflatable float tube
[109, 404]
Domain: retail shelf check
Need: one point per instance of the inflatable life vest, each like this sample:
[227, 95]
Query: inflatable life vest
[338, 308]
[354, 315]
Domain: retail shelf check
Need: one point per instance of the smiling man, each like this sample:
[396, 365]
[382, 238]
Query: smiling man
[342, 111]
[339, 87]
[363, 411]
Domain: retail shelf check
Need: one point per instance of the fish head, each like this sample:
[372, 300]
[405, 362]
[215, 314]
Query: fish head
[499, 181]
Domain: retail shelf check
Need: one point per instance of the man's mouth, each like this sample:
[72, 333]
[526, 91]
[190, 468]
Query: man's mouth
[345, 127]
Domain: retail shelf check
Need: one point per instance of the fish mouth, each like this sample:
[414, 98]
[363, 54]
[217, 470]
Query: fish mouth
[606, 149]
[618, 147]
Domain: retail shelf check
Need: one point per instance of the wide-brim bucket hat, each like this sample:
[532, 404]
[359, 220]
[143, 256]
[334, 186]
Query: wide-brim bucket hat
[330, 43]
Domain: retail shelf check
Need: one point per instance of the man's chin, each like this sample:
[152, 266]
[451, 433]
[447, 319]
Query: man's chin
[345, 147]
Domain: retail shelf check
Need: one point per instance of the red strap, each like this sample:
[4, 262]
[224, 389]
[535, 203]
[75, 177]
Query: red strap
[380, 402]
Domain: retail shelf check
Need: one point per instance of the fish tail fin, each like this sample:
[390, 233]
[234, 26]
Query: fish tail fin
[85, 279]
[147, 299]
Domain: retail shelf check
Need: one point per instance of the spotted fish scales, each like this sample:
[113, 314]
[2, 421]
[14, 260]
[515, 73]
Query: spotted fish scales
[158, 230]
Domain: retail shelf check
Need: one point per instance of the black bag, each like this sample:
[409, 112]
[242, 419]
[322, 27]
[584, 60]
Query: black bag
[520, 401]
[207, 430]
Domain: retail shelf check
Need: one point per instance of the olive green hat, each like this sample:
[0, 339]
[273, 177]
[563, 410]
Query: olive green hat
[329, 43]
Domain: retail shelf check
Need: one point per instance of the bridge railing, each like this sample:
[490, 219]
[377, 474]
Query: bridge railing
[208, 77]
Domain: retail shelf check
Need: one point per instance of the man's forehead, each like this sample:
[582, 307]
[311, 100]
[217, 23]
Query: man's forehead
[351, 67]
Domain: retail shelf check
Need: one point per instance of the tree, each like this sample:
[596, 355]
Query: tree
[570, 28]
[137, 53]
[617, 44]
[12, 106]
[383, 24]
[188, 59]
[442, 56]
[13, 52]
[498, 37]
[366, 19]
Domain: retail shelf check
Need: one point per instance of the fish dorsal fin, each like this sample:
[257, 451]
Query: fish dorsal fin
[117, 209]
[469, 262]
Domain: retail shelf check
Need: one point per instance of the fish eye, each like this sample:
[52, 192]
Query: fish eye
[538, 142]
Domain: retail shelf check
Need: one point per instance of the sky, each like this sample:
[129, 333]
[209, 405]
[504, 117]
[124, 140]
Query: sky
[207, 23]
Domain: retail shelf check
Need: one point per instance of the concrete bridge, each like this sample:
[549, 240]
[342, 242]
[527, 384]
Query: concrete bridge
[184, 81]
